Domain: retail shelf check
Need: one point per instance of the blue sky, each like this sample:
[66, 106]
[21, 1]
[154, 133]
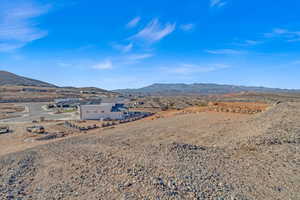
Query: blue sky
[116, 44]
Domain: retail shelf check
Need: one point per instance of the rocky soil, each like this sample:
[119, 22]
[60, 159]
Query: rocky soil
[237, 107]
[195, 156]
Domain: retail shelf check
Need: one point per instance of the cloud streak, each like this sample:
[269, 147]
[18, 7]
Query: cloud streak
[248, 43]
[120, 61]
[123, 48]
[8, 47]
[104, 65]
[288, 35]
[217, 3]
[134, 22]
[187, 27]
[134, 58]
[154, 31]
[225, 52]
[190, 69]
[139, 56]
[17, 25]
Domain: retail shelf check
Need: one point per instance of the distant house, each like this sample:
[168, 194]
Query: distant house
[35, 90]
[68, 102]
[103, 111]
[87, 92]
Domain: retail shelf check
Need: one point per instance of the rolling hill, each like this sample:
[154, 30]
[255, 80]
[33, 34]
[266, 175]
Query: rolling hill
[7, 78]
[197, 89]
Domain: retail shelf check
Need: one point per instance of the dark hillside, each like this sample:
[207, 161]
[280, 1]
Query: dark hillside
[7, 78]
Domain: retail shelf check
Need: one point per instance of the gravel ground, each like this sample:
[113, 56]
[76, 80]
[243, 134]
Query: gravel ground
[253, 158]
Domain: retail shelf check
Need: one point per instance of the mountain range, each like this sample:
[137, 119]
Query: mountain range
[8, 78]
[198, 89]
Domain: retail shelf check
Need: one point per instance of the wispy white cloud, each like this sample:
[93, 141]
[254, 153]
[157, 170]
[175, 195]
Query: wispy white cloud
[277, 32]
[63, 64]
[123, 48]
[8, 47]
[139, 56]
[136, 57]
[217, 3]
[134, 22]
[120, 61]
[104, 65]
[17, 25]
[248, 43]
[288, 35]
[252, 42]
[189, 69]
[187, 27]
[155, 31]
[225, 52]
[133, 58]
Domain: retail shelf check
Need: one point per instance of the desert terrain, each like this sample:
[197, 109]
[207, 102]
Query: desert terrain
[219, 150]
[10, 111]
[149, 100]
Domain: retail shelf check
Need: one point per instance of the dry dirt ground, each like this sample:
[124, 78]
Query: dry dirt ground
[8, 110]
[202, 155]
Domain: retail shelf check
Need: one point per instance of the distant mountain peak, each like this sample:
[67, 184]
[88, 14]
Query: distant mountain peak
[8, 78]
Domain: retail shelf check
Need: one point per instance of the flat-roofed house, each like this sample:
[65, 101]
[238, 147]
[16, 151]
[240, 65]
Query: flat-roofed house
[102, 111]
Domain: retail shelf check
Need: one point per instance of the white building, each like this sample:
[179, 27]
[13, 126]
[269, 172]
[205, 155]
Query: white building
[102, 111]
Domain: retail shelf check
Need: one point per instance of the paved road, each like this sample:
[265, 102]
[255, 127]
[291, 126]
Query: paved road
[34, 111]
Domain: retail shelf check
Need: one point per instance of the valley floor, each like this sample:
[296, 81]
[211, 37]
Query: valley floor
[204, 155]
